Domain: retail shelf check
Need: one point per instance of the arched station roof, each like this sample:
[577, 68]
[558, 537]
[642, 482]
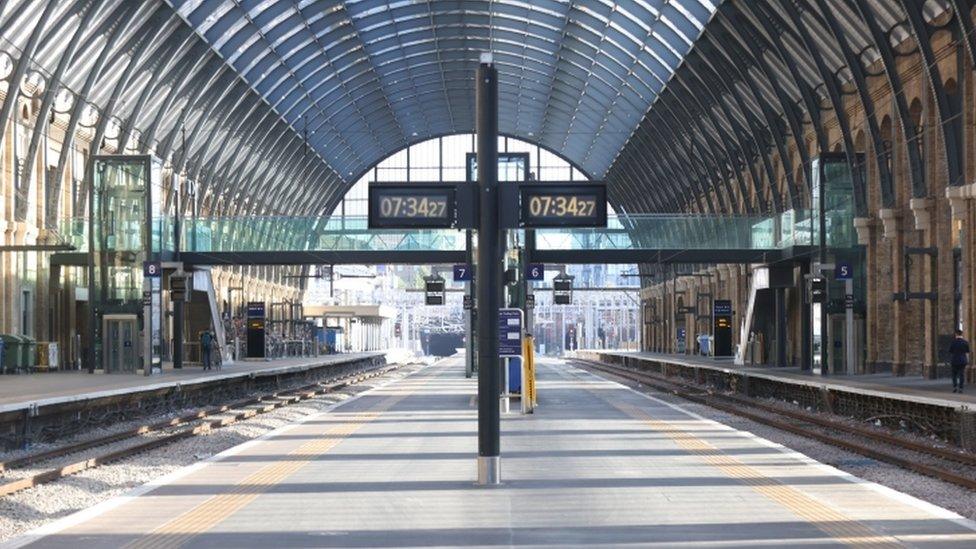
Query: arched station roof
[276, 106]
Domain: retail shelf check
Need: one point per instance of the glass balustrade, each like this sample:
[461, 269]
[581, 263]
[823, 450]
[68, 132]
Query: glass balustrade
[650, 231]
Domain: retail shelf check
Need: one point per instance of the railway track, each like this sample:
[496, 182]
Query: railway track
[954, 466]
[166, 432]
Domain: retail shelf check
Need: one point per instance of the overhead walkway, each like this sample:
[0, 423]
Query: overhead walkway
[596, 465]
[646, 238]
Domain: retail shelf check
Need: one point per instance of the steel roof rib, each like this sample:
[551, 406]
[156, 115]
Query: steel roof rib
[284, 103]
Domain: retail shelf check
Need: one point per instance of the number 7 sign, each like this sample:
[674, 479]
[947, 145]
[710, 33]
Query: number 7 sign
[462, 273]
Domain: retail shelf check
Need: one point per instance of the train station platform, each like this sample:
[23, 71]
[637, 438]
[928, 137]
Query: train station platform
[33, 406]
[912, 388]
[65, 386]
[597, 464]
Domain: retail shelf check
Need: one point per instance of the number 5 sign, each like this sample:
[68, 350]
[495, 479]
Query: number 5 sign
[844, 271]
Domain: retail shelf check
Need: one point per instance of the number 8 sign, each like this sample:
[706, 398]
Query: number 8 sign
[152, 269]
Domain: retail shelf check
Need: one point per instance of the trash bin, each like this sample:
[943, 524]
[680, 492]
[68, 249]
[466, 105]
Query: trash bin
[47, 356]
[28, 352]
[11, 354]
[515, 375]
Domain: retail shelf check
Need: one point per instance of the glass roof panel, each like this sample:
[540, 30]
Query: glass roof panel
[576, 75]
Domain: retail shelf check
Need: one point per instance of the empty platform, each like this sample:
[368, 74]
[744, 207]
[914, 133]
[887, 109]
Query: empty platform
[60, 387]
[913, 388]
[597, 464]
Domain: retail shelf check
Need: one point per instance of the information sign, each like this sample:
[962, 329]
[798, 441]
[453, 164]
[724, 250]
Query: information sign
[818, 290]
[844, 271]
[562, 290]
[255, 309]
[563, 205]
[463, 273]
[411, 206]
[722, 327]
[434, 291]
[530, 301]
[178, 288]
[509, 333]
[536, 271]
[152, 269]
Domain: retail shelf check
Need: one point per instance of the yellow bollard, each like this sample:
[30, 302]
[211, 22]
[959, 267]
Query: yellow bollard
[528, 377]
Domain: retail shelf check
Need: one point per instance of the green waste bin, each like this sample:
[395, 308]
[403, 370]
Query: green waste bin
[28, 352]
[11, 353]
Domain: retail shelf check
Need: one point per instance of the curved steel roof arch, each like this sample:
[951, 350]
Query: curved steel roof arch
[329, 66]
[272, 106]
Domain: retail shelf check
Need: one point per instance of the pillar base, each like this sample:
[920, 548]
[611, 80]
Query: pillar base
[489, 470]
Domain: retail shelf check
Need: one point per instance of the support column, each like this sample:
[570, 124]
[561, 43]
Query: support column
[178, 310]
[489, 276]
[781, 330]
[865, 227]
[922, 209]
[891, 220]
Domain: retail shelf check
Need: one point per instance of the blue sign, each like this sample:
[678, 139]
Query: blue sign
[536, 271]
[509, 332]
[844, 271]
[152, 269]
[255, 309]
[462, 273]
[722, 307]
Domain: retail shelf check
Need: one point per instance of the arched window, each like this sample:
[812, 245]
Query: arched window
[444, 159]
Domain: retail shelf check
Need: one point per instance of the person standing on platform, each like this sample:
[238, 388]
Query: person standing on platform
[206, 349]
[958, 359]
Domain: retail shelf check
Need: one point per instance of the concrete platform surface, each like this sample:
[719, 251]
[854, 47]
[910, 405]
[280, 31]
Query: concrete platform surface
[937, 391]
[596, 465]
[57, 387]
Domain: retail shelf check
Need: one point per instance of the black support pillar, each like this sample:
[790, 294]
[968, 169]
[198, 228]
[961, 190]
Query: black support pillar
[489, 277]
[178, 311]
[781, 325]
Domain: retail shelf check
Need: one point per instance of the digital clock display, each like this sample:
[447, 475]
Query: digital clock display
[555, 205]
[411, 206]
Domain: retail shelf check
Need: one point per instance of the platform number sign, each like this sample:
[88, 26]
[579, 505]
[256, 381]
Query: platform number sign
[152, 269]
[462, 273]
[536, 271]
[844, 271]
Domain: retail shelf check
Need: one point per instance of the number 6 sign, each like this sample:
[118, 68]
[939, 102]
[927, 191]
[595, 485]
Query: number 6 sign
[536, 271]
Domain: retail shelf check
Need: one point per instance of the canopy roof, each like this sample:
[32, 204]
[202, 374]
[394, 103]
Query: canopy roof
[277, 106]
[365, 79]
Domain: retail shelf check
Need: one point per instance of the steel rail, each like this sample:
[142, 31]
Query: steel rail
[271, 401]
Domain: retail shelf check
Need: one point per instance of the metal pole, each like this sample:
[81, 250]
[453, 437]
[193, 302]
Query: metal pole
[849, 325]
[780, 326]
[825, 343]
[469, 315]
[805, 315]
[489, 276]
[178, 305]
